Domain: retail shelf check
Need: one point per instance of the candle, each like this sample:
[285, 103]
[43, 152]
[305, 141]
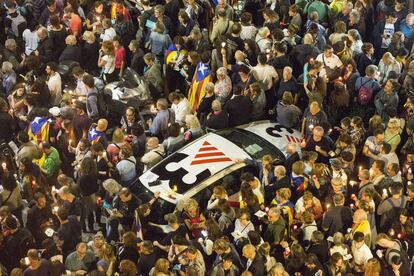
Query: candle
[295, 227]
[353, 196]
[399, 235]
[360, 168]
[311, 60]
[311, 127]
[409, 183]
[327, 206]
[268, 51]
[329, 131]
[223, 44]
[409, 170]
[240, 198]
[182, 130]
[175, 189]
[351, 205]
[340, 79]
[33, 183]
[314, 177]
[352, 182]
[70, 142]
[4, 165]
[98, 19]
[303, 143]
[55, 209]
[384, 192]
[267, 209]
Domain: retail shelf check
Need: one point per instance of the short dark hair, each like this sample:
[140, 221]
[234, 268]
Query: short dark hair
[63, 213]
[358, 236]
[77, 70]
[53, 66]
[386, 147]
[262, 58]
[46, 145]
[88, 81]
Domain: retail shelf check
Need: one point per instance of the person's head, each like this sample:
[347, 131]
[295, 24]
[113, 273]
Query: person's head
[89, 81]
[97, 149]
[283, 194]
[191, 207]
[46, 147]
[128, 268]
[162, 104]
[314, 108]
[338, 199]
[373, 267]
[162, 266]
[81, 250]
[340, 27]
[106, 24]
[221, 246]
[384, 240]
[125, 194]
[273, 214]
[108, 48]
[391, 17]
[89, 37]
[317, 237]
[317, 133]
[359, 216]
[40, 199]
[262, 58]
[192, 122]
[51, 68]
[111, 186]
[409, 19]
[152, 143]
[221, 73]
[249, 251]
[216, 106]
[70, 40]
[244, 216]
[404, 215]
[337, 260]
[328, 51]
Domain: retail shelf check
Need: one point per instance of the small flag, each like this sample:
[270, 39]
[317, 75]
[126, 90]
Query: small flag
[136, 226]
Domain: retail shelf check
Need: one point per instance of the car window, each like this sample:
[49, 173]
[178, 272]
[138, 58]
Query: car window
[251, 143]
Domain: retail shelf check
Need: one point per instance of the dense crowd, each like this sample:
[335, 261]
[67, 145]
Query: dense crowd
[341, 72]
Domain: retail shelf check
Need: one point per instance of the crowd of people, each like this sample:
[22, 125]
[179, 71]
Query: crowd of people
[341, 72]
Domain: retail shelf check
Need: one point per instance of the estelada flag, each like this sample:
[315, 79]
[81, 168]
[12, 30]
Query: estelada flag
[39, 130]
[197, 90]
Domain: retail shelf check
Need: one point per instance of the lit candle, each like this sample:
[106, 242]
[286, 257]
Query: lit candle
[70, 142]
[267, 51]
[353, 196]
[223, 44]
[295, 227]
[360, 168]
[33, 182]
[182, 130]
[311, 127]
[327, 206]
[240, 198]
[409, 170]
[329, 131]
[352, 182]
[267, 209]
[311, 60]
[4, 165]
[314, 177]
[56, 208]
[303, 143]
[351, 205]
[98, 19]
[340, 79]
[409, 183]
[384, 192]
[175, 189]
[399, 235]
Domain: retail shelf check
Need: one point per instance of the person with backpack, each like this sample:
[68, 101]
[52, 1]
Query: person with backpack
[155, 153]
[158, 127]
[126, 166]
[221, 27]
[390, 208]
[15, 23]
[18, 241]
[91, 98]
[395, 257]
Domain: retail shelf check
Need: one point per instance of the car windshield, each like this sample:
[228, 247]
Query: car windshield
[251, 143]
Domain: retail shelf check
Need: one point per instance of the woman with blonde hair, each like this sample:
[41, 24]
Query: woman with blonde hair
[106, 61]
[387, 64]
[193, 218]
[193, 128]
[118, 142]
[161, 268]
[223, 86]
[392, 134]
[107, 260]
[373, 267]
[90, 52]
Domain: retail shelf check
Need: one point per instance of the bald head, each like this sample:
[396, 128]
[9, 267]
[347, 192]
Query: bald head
[249, 251]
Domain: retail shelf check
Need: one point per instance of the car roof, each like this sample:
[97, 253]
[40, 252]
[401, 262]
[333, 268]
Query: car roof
[206, 156]
[274, 133]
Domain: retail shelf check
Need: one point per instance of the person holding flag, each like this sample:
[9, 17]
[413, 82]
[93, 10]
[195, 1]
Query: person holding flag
[175, 57]
[202, 75]
[96, 133]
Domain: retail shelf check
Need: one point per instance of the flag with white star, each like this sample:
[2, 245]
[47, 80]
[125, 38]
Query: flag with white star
[201, 76]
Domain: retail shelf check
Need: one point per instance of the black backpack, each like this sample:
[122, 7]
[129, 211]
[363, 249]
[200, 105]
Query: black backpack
[26, 241]
[139, 167]
[103, 110]
[392, 215]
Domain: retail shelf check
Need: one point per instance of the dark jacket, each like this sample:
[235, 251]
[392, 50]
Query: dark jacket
[90, 54]
[46, 50]
[239, 109]
[71, 53]
[257, 267]
[218, 121]
[58, 38]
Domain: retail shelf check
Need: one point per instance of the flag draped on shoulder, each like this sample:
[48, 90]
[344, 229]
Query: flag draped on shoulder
[136, 226]
[39, 130]
[202, 76]
[94, 135]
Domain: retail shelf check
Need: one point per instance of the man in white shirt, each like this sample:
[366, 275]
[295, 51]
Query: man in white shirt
[330, 62]
[180, 106]
[360, 251]
[265, 73]
[54, 83]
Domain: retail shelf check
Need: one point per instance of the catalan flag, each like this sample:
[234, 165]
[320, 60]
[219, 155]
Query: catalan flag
[197, 90]
[94, 135]
[39, 130]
